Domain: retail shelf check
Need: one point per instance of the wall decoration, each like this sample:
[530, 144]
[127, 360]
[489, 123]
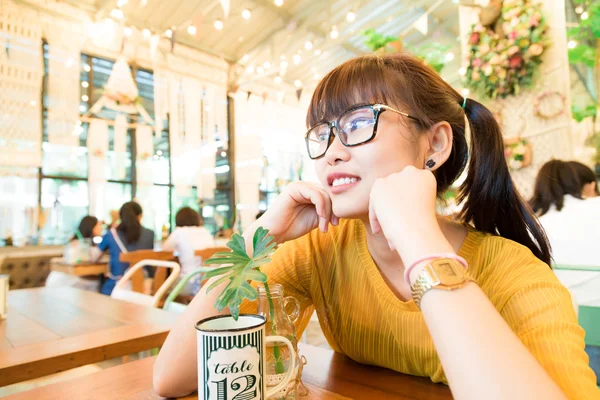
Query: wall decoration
[549, 104]
[518, 153]
[505, 53]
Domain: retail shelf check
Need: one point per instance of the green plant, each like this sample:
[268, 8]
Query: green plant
[581, 113]
[433, 54]
[375, 40]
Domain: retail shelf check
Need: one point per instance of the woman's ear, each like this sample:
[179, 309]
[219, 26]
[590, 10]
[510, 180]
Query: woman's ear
[440, 145]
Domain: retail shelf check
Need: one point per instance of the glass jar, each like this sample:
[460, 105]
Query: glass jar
[281, 313]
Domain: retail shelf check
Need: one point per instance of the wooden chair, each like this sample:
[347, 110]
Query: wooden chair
[207, 253]
[137, 280]
[121, 292]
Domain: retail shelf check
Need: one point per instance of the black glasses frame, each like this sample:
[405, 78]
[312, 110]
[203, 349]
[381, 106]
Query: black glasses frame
[377, 109]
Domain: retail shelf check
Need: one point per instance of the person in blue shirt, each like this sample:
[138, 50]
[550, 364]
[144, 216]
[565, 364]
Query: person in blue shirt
[129, 235]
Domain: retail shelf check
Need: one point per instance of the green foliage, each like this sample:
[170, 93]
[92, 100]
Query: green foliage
[583, 54]
[376, 41]
[239, 268]
[581, 113]
[433, 54]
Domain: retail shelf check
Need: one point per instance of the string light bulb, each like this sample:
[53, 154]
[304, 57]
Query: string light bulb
[308, 45]
[86, 68]
[317, 52]
[572, 44]
[278, 80]
[245, 58]
[169, 33]
[578, 9]
[85, 84]
[121, 3]
[283, 64]
[449, 56]
[218, 24]
[260, 70]
[462, 71]
[191, 30]
[465, 92]
[246, 14]
[278, 3]
[146, 33]
[267, 65]
[250, 69]
[334, 33]
[351, 16]
[127, 31]
[116, 13]
[584, 15]
[297, 83]
[297, 59]
[84, 98]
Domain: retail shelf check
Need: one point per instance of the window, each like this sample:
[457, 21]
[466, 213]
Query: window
[64, 196]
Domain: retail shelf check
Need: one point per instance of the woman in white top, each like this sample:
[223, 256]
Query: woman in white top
[189, 235]
[571, 220]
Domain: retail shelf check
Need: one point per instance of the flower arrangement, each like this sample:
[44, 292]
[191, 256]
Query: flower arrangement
[517, 153]
[501, 63]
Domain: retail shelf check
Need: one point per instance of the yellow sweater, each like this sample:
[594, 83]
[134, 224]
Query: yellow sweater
[334, 274]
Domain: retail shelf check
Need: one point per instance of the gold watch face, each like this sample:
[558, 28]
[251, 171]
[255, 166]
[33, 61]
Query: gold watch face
[448, 272]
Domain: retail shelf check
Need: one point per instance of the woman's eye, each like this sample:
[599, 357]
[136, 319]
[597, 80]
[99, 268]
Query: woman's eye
[359, 123]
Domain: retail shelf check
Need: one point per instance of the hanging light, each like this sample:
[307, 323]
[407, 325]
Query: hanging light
[116, 13]
[146, 33]
[260, 70]
[127, 31]
[33, 103]
[85, 84]
[121, 3]
[465, 92]
[297, 59]
[572, 44]
[245, 58]
[246, 14]
[351, 16]
[218, 24]
[191, 30]
[267, 65]
[278, 80]
[334, 33]
[86, 68]
[449, 56]
[584, 15]
[308, 45]
[462, 71]
[283, 57]
[578, 9]
[250, 69]
[169, 33]
[297, 83]
[69, 63]
[283, 64]
[317, 52]
[278, 3]
[84, 98]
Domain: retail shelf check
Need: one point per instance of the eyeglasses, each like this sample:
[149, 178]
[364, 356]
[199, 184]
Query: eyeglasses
[354, 127]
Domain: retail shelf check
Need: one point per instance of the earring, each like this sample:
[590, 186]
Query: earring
[430, 164]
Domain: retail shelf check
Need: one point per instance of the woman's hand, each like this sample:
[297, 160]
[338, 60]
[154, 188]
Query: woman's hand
[299, 209]
[402, 207]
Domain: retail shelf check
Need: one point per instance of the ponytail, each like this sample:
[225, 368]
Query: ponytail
[491, 201]
[130, 225]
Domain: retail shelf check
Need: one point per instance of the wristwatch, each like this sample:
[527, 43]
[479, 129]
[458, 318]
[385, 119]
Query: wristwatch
[442, 273]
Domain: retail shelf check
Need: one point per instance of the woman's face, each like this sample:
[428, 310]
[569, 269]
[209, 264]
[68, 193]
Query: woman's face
[97, 231]
[394, 147]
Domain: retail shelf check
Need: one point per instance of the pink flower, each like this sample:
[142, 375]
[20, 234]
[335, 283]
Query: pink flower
[513, 50]
[535, 20]
[515, 61]
[495, 60]
[535, 49]
[476, 62]
[474, 39]
[512, 35]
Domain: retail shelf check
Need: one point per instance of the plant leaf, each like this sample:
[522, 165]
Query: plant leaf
[237, 267]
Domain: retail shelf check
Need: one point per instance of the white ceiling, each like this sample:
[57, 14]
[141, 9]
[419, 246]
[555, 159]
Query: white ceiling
[275, 33]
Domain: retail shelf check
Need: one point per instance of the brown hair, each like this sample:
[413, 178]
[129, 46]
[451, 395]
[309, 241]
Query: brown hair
[490, 201]
[130, 225]
[187, 216]
[555, 180]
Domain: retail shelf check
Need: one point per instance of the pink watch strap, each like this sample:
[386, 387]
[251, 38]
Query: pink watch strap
[450, 256]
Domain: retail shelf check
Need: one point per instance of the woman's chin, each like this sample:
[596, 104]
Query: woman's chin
[349, 211]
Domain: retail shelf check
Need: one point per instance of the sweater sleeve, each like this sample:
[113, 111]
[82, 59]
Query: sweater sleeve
[540, 312]
[291, 266]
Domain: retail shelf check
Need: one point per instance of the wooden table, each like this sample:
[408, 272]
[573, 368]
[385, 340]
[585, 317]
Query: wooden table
[79, 269]
[327, 375]
[49, 330]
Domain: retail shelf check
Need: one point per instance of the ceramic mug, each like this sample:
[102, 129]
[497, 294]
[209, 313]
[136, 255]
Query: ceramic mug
[231, 358]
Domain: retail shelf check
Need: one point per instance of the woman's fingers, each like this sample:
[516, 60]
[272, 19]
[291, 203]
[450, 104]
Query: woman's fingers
[309, 194]
[373, 221]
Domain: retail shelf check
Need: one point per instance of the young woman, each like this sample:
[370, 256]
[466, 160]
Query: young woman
[89, 228]
[388, 136]
[189, 235]
[130, 235]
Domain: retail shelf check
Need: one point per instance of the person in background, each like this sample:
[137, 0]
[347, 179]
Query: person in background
[89, 228]
[587, 178]
[571, 219]
[129, 235]
[365, 248]
[189, 235]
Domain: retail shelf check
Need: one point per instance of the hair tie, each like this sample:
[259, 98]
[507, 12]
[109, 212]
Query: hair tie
[464, 103]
